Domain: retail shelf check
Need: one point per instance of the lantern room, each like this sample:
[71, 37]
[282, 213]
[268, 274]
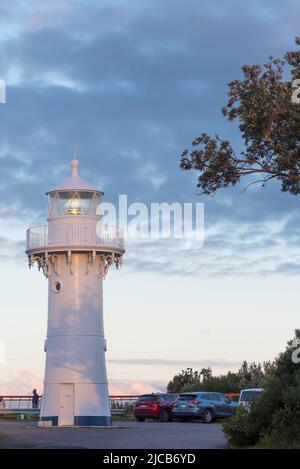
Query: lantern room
[74, 196]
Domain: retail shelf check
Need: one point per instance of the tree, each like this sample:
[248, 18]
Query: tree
[206, 374]
[248, 376]
[253, 375]
[186, 377]
[228, 383]
[270, 126]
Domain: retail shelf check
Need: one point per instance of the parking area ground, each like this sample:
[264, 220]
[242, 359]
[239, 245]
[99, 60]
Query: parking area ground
[129, 434]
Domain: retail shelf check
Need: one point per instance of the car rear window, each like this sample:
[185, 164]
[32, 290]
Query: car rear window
[169, 397]
[148, 398]
[187, 397]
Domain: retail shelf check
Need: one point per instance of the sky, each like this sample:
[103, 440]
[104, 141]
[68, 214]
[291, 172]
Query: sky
[132, 83]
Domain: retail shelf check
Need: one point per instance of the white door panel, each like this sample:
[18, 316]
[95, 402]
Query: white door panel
[67, 404]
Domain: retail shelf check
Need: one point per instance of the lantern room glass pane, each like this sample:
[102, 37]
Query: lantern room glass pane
[73, 203]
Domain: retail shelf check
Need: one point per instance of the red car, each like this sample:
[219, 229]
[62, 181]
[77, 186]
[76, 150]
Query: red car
[156, 406]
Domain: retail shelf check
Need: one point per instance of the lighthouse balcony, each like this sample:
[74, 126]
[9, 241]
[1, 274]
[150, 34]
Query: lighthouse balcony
[79, 237]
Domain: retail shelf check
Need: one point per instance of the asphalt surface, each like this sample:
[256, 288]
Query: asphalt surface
[129, 434]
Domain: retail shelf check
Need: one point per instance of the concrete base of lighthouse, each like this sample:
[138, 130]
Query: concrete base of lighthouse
[74, 408]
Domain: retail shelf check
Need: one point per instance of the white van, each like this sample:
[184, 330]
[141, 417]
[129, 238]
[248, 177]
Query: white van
[248, 396]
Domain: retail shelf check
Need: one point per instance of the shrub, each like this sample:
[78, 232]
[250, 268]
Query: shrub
[284, 432]
[241, 429]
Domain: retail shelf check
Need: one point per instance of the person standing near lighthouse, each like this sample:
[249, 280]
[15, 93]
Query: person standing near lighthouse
[74, 254]
[35, 399]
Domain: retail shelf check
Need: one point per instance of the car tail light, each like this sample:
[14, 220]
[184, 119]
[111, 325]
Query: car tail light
[195, 402]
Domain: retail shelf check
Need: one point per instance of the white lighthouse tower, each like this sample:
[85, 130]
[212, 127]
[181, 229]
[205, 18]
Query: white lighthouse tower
[74, 252]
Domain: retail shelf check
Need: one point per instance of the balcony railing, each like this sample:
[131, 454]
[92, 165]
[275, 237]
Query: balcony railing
[75, 235]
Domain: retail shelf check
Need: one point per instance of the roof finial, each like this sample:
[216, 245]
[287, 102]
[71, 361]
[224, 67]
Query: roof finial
[74, 162]
[74, 151]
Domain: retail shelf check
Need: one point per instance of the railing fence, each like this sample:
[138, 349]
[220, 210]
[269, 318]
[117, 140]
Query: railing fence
[117, 402]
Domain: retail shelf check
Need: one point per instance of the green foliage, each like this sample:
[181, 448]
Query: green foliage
[225, 383]
[284, 431]
[253, 375]
[240, 428]
[270, 126]
[249, 376]
[187, 377]
[274, 420]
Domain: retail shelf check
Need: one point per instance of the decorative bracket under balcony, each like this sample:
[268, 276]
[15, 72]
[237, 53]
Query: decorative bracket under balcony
[49, 261]
[45, 263]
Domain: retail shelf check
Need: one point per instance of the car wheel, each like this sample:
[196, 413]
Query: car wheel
[140, 419]
[207, 416]
[164, 415]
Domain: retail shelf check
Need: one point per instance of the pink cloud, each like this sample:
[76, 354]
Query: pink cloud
[24, 381]
[134, 387]
[21, 383]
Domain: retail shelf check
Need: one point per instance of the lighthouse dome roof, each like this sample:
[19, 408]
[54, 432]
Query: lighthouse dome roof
[74, 182]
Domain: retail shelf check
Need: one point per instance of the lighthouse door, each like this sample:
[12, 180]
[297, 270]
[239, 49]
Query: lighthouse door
[67, 404]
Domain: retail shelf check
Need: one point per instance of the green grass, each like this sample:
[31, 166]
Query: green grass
[122, 418]
[14, 418]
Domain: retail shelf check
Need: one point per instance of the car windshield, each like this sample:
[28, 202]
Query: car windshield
[187, 397]
[148, 398]
[248, 396]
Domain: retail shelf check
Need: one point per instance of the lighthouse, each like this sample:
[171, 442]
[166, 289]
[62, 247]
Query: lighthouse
[74, 251]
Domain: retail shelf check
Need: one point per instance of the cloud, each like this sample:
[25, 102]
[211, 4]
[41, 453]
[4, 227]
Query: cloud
[133, 84]
[11, 250]
[21, 383]
[132, 387]
[230, 248]
[205, 362]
